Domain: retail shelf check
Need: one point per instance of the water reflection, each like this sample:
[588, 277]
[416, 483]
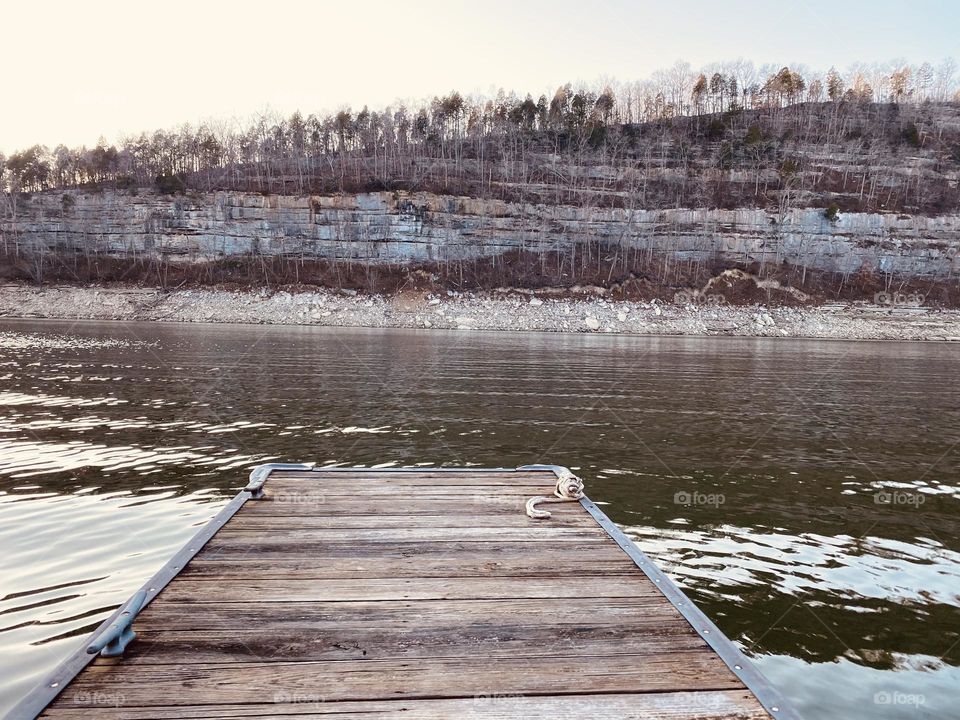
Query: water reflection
[805, 494]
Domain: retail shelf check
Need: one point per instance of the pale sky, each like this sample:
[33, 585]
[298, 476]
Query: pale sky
[76, 70]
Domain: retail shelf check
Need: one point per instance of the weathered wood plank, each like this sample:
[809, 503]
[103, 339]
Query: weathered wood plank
[412, 615]
[239, 533]
[710, 705]
[213, 684]
[476, 563]
[405, 505]
[264, 548]
[420, 477]
[471, 494]
[290, 642]
[252, 521]
[410, 560]
[471, 497]
[295, 590]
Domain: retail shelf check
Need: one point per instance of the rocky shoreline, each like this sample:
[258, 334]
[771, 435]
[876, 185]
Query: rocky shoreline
[505, 311]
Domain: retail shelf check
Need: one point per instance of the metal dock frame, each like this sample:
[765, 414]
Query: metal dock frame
[738, 663]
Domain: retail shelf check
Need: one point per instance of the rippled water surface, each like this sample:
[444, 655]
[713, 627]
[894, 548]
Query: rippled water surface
[805, 494]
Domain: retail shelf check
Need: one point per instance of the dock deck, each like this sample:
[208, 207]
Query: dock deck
[416, 593]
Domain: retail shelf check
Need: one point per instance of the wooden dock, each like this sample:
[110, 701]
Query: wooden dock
[409, 593]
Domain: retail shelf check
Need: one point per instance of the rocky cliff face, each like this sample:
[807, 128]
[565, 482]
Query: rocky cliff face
[389, 227]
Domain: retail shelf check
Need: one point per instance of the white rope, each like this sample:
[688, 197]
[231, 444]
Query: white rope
[569, 489]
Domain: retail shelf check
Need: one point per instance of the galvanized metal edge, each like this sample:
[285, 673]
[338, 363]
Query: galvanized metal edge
[557, 470]
[741, 666]
[44, 693]
[732, 656]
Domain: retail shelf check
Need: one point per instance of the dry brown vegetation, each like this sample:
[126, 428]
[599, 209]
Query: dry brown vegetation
[878, 138]
[646, 278]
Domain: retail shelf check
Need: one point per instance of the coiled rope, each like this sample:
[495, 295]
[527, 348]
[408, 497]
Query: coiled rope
[569, 489]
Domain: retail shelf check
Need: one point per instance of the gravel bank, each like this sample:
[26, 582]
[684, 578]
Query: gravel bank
[517, 312]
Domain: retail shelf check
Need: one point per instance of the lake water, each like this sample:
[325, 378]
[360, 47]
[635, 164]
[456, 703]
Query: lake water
[805, 494]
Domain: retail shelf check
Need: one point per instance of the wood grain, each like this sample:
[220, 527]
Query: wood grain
[404, 536]
[180, 683]
[297, 590]
[709, 705]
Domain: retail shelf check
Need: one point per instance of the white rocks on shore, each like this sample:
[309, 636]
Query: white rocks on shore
[475, 312]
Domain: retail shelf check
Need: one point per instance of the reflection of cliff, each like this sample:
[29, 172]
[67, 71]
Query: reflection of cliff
[819, 604]
[390, 227]
[821, 627]
[798, 570]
